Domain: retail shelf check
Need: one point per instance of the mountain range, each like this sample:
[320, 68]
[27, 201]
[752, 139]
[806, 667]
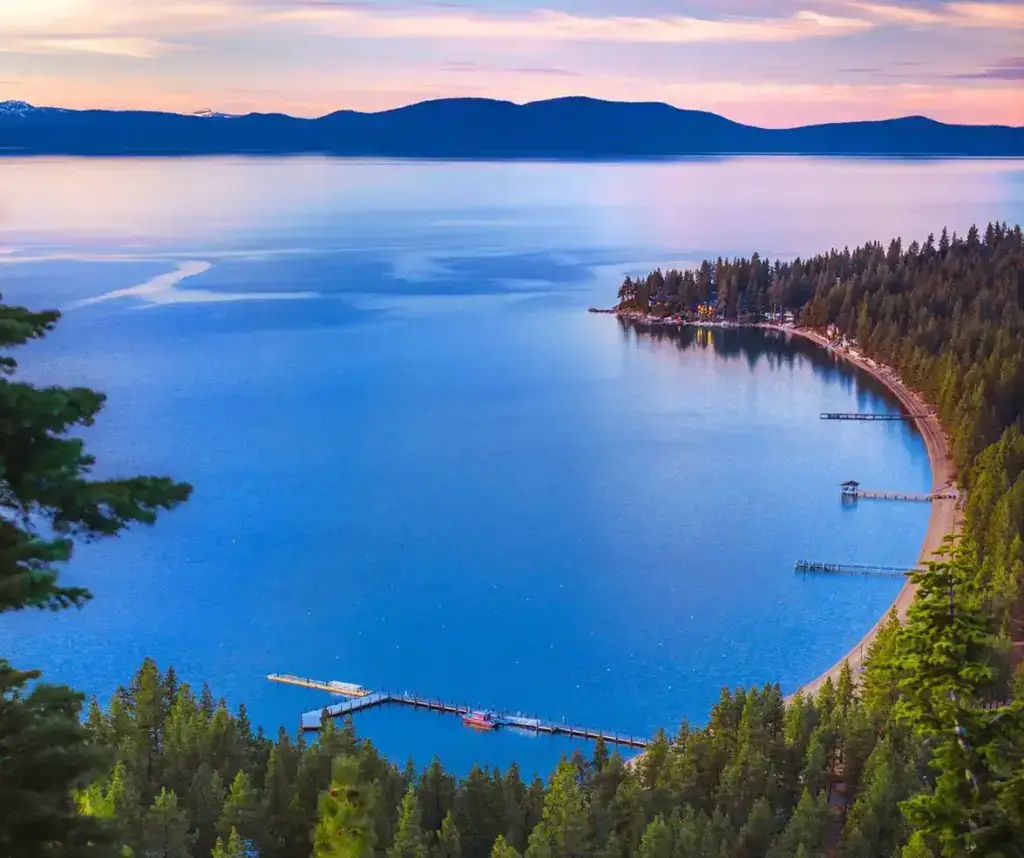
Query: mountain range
[569, 128]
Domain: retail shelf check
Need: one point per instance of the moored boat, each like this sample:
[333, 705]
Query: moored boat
[479, 719]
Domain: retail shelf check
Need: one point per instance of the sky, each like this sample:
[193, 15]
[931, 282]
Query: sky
[774, 63]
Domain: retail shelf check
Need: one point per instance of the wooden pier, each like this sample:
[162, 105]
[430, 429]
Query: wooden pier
[868, 415]
[852, 569]
[851, 490]
[864, 494]
[312, 721]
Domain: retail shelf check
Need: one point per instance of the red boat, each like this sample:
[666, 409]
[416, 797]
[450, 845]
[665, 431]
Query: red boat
[479, 720]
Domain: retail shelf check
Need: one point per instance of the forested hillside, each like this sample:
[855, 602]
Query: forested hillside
[922, 756]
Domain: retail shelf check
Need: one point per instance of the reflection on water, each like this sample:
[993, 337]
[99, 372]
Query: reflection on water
[776, 348]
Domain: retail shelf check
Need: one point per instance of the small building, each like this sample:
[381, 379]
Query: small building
[850, 487]
[706, 312]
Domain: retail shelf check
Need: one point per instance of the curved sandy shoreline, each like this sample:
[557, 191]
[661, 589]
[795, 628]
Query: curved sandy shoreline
[942, 520]
[944, 515]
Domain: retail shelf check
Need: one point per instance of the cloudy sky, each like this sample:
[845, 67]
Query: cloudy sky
[769, 62]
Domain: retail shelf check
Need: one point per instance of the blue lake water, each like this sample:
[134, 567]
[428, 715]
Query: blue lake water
[420, 464]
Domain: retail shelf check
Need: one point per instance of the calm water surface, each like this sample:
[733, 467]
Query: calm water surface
[420, 464]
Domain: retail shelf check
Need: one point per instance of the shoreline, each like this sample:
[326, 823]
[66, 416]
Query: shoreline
[944, 517]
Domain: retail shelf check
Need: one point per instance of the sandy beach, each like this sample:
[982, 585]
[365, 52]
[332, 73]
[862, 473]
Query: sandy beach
[944, 513]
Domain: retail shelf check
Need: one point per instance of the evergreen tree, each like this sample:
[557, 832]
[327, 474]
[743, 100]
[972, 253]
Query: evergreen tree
[946, 656]
[479, 813]
[436, 794]
[501, 848]
[410, 840]
[204, 802]
[241, 810]
[562, 831]
[235, 847]
[448, 844]
[44, 756]
[758, 831]
[807, 829]
[49, 502]
[657, 840]
[517, 824]
[917, 847]
[345, 828]
[165, 832]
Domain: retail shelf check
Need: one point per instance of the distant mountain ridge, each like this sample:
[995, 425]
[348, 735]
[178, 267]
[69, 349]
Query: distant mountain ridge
[568, 128]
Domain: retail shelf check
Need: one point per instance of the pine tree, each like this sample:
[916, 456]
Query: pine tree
[657, 840]
[241, 810]
[479, 812]
[516, 801]
[44, 757]
[917, 847]
[410, 840]
[49, 502]
[946, 654]
[165, 831]
[807, 828]
[501, 849]
[563, 829]
[204, 801]
[758, 831]
[345, 828]
[436, 794]
[945, 647]
[235, 847]
[612, 847]
[448, 844]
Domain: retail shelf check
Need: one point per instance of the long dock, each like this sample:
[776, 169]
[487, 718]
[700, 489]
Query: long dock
[312, 721]
[869, 415]
[866, 494]
[852, 569]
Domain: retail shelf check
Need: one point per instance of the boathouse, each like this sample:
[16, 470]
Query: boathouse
[850, 487]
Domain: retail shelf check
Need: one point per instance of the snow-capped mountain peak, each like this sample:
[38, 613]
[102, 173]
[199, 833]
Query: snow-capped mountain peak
[23, 108]
[18, 107]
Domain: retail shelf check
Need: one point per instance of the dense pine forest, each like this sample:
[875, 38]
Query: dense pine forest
[920, 755]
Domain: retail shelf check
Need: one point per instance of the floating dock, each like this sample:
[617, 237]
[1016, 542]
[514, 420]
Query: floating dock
[852, 569]
[312, 721]
[345, 689]
[868, 415]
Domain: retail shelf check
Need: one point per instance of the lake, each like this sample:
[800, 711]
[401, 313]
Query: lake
[420, 464]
